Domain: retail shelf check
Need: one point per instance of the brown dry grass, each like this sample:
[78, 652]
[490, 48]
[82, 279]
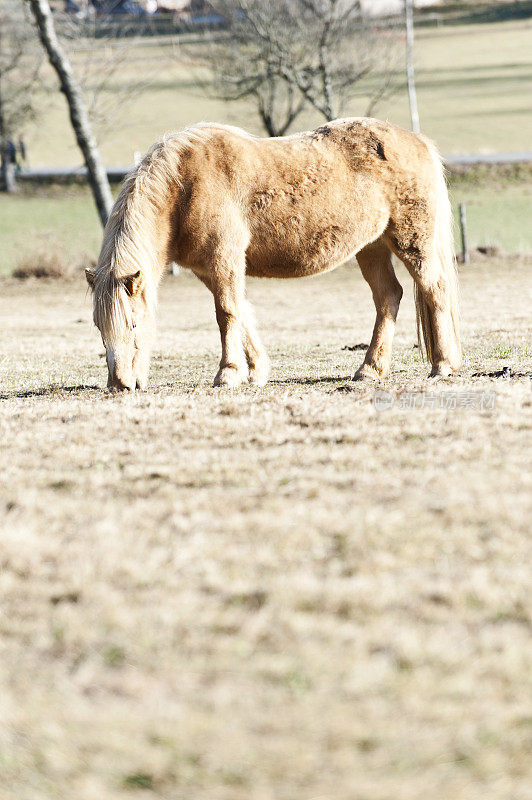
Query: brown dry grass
[45, 257]
[277, 593]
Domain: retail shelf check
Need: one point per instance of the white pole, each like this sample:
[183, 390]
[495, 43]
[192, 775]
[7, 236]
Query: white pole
[409, 21]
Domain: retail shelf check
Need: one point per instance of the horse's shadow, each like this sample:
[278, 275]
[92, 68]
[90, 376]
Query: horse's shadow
[48, 391]
[309, 381]
[56, 390]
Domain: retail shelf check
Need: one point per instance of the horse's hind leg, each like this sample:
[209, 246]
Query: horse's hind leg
[436, 306]
[375, 263]
[256, 356]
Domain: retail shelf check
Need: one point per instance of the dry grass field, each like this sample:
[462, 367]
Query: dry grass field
[267, 594]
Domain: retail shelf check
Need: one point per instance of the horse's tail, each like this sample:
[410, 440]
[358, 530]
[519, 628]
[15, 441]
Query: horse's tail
[444, 254]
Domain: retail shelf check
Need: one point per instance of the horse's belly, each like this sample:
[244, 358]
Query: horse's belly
[299, 254]
[284, 267]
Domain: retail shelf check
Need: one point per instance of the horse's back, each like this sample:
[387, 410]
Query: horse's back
[303, 203]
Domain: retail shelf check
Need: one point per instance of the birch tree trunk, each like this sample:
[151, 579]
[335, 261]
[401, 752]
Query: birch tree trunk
[7, 172]
[76, 105]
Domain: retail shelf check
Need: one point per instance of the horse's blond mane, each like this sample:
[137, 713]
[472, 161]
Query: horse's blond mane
[129, 243]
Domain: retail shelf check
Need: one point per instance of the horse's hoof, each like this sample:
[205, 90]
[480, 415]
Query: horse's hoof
[366, 373]
[230, 377]
[441, 371]
[258, 380]
[258, 376]
[120, 388]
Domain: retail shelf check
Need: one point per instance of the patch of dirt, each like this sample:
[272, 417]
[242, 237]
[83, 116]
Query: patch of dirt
[505, 372]
[353, 347]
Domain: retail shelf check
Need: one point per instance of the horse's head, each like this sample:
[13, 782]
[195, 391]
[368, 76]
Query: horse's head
[124, 315]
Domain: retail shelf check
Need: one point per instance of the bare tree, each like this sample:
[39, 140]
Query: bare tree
[79, 116]
[243, 61]
[19, 77]
[288, 54]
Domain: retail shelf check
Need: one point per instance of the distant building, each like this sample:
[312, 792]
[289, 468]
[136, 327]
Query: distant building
[377, 8]
[186, 9]
[201, 9]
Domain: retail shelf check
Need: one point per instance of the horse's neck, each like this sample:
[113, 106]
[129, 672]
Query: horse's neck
[149, 238]
[147, 221]
[162, 244]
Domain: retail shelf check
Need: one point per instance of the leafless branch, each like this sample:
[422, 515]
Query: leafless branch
[79, 117]
[20, 61]
[285, 55]
[102, 64]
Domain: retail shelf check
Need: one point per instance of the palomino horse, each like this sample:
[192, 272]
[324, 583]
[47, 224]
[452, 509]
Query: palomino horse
[225, 204]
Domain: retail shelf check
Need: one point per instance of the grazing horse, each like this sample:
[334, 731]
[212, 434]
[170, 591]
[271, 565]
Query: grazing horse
[226, 204]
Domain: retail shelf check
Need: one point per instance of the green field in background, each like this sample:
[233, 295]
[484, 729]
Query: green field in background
[67, 215]
[497, 216]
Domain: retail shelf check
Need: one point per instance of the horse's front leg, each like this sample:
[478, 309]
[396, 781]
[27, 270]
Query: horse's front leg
[375, 262]
[227, 284]
[258, 364]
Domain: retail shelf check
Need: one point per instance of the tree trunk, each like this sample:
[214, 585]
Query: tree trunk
[79, 116]
[7, 170]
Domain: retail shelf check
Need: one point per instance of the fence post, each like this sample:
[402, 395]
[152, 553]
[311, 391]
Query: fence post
[463, 233]
[411, 83]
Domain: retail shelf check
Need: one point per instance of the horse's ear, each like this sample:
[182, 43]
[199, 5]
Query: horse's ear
[89, 274]
[133, 283]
